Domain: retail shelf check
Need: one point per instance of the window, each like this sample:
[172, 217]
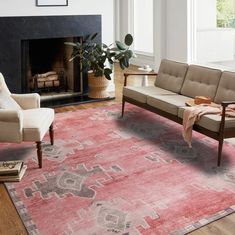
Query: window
[226, 13]
[143, 26]
[214, 34]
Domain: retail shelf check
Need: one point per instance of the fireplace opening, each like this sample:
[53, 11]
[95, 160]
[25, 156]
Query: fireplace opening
[46, 68]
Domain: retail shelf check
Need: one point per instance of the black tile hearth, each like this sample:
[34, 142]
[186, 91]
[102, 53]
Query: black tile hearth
[63, 101]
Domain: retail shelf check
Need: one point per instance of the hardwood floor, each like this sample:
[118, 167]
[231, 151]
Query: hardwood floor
[10, 223]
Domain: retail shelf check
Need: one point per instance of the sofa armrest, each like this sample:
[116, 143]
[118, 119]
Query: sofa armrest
[27, 101]
[226, 103]
[127, 74]
[11, 125]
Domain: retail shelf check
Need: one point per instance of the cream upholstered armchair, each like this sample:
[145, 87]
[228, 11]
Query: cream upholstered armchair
[22, 119]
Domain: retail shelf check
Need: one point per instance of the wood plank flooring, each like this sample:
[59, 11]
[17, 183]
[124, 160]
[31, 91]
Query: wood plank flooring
[10, 223]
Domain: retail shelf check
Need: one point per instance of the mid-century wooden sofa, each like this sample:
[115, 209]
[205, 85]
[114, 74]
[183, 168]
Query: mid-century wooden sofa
[175, 84]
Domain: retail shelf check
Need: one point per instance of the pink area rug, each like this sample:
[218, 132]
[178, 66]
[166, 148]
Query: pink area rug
[136, 175]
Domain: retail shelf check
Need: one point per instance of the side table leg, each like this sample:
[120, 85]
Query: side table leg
[145, 80]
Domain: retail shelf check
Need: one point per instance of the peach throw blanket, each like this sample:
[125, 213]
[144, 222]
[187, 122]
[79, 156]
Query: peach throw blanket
[193, 114]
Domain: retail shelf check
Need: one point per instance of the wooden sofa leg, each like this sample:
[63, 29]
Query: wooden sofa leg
[39, 153]
[123, 106]
[51, 132]
[221, 141]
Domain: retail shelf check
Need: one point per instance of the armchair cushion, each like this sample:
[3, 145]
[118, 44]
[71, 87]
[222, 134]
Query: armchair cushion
[36, 123]
[3, 85]
[7, 102]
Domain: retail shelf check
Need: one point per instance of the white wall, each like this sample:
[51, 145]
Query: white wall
[176, 30]
[75, 7]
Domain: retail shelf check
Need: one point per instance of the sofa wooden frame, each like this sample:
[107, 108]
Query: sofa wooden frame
[219, 136]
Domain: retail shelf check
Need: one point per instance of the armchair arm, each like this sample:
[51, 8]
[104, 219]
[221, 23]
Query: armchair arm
[11, 125]
[11, 116]
[27, 101]
[126, 74]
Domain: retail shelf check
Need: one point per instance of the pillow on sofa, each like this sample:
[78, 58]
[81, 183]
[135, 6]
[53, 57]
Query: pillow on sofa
[7, 102]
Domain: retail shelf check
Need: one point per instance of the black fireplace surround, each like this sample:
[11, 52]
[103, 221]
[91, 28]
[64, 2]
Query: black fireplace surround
[13, 30]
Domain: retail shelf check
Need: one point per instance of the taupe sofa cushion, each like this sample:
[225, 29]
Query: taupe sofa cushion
[226, 89]
[171, 75]
[201, 81]
[140, 93]
[167, 103]
[211, 121]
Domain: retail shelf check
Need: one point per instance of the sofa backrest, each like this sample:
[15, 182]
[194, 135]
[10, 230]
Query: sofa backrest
[171, 75]
[226, 89]
[201, 81]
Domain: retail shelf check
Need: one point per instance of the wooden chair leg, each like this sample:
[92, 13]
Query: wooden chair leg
[221, 141]
[123, 106]
[39, 153]
[51, 132]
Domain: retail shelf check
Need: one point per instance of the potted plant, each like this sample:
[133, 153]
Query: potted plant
[99, 58]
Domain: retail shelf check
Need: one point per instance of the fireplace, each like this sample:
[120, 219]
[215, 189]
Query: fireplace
[46, 66]
[34, 45]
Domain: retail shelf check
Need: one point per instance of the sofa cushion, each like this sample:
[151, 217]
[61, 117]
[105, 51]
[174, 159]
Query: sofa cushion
[140, 93]
[171, 75]
[226, 89]
[167, 103]
[211, 121]
[201, 81]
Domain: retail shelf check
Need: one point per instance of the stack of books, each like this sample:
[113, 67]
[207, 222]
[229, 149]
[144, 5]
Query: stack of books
[12, 170]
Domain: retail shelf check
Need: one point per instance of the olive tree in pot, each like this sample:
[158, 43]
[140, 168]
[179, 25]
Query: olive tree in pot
[99, 58]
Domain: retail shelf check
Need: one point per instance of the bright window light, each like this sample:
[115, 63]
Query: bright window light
[143, 26]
